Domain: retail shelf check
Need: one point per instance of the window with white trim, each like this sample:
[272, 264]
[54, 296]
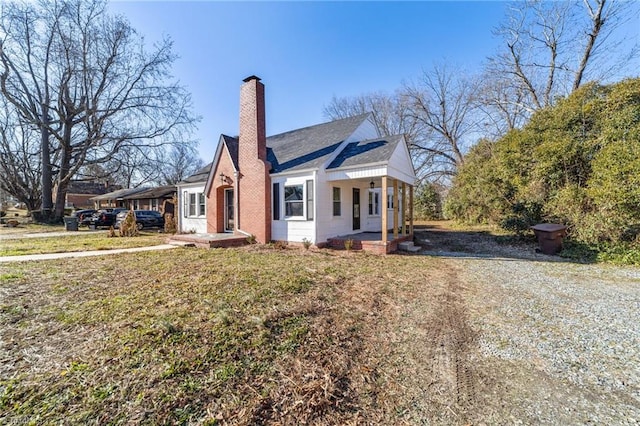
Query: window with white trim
[201, 204]
[294, 200]
[337, 205]
[154, 204]
[192, 204]
[185, 203]
[374, 202]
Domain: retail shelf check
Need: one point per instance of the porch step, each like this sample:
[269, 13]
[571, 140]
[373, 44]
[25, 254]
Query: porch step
[409, 246]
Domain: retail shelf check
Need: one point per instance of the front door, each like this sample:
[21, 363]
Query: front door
[356, 209]
[228, 210]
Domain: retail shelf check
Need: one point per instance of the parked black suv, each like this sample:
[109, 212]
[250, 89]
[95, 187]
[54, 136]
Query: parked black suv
[83, 214]
[144, 219]
[102, 218]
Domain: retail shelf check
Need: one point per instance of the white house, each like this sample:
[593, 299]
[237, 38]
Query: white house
[315, 183]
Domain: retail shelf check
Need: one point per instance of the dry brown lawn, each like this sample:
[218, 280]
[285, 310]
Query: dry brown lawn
[254, 335]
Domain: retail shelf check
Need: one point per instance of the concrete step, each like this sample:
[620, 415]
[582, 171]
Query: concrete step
[409, 246]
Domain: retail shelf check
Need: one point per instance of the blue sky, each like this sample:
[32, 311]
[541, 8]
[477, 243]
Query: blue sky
[307, 52]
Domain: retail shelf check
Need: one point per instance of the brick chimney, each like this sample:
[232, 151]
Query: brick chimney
[254, 192]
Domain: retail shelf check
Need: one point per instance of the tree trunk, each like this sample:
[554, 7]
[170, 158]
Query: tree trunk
[47, 192]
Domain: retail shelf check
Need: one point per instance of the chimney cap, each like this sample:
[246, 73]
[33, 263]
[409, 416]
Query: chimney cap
[251, 77]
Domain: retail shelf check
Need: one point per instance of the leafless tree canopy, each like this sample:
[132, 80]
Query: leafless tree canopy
[84, 82]
[444, 102]
[550, 48]
[436, 114]
[391, 114]
[19, 158]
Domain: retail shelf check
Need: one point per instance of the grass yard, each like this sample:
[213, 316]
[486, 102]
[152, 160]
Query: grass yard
[81, 241]
[284, 336]
[29, 228]
[241, 336]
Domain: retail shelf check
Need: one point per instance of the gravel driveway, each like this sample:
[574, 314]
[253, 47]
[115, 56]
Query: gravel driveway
[557, 342]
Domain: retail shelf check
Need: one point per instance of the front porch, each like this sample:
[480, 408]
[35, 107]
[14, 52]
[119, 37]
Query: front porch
[370, 242]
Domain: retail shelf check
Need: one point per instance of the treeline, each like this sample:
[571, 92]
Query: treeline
[577, 163]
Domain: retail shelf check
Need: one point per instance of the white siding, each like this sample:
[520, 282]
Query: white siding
[190, 224]
[400, 166]
[294, 229]
[374, 223]
[367, 130]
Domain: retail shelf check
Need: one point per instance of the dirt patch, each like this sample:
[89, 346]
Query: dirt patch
[445, 238]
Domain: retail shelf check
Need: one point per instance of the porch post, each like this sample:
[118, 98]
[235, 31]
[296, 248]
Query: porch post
[411, 209]
[395, 208]
[383, 206]
[404, 209]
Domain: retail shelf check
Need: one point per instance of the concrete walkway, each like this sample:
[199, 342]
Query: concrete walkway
[49, 256]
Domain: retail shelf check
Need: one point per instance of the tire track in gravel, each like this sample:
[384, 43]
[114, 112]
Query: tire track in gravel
[431, 376]
[450, 338]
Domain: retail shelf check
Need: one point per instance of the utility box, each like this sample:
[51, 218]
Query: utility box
[550, 237]
[71, 223]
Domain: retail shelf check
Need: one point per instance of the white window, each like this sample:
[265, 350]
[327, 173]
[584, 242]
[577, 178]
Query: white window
[154, 204]
[192, 204]
[185, 203]
[337, 207]
[136, 204]
[293, 200]
[201, 204]
[374, 202]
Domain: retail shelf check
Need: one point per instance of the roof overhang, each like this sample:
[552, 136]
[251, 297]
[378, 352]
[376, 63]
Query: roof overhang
[295, 172]
[368, 171]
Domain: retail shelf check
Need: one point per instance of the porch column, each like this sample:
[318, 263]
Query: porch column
[395, 208]
[383, 205]
[411, 209]
[404, 209]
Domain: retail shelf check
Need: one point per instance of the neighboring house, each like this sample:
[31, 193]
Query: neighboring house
[115, 198]
[79, 193]
[314, 183]
[159, 198]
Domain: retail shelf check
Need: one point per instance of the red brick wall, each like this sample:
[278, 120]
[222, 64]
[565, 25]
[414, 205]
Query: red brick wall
[254, 192]
[80, 201]
[215, 199]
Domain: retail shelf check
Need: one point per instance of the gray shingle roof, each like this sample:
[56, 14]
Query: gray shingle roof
[119, 194]
[157, 192]
[199, 176]
[309, 147]
[366, 152]
[232, 146]
[300, 149]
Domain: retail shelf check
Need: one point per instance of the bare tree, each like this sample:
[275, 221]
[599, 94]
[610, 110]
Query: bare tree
[19, 159]
[444, 102]
[552, 48]
[502, 106]
[392, 116]
[84, 79]
[178, 163]
[436, 114]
